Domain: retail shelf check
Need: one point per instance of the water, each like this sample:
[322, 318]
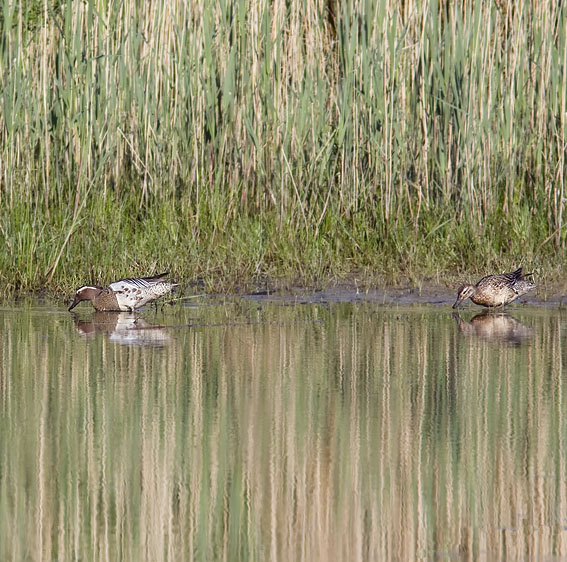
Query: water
[250, 431]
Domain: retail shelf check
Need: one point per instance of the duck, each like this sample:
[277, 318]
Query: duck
[125, 294]
[496, 290]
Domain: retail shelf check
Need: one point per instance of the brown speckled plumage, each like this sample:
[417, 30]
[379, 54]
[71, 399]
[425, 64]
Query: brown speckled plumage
[496, 290]
[106, 301]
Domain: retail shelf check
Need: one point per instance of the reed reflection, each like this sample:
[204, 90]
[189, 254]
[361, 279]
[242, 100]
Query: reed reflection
[124, 328]
[495, 326]
[312, 432]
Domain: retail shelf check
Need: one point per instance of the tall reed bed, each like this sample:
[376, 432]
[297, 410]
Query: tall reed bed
[283, 137]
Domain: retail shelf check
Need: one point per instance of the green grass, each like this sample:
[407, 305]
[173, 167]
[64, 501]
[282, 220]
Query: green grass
[234, 142]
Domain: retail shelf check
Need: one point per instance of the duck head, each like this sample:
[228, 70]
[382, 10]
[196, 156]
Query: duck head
[465, 291]
[86, 293]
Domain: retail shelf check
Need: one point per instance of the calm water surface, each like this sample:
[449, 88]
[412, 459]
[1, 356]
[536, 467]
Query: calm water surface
[317, 432]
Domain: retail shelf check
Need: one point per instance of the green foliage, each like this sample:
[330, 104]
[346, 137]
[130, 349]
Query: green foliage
[232, 141]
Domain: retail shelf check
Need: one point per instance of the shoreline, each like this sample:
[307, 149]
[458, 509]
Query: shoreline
[427, 293]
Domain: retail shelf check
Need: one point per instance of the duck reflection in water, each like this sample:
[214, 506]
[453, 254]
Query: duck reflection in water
[124, 328]
[494, 326]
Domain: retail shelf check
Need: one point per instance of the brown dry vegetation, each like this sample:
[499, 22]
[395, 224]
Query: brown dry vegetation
[245, 139]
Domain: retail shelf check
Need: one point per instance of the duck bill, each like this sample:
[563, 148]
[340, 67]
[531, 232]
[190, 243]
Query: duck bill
[458, 302]
[75, 303]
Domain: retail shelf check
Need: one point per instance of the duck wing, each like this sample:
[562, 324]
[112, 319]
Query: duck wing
[137, 282]
[514, 275]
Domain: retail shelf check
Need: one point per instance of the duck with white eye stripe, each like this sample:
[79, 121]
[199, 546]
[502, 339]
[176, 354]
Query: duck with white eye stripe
[125, 294]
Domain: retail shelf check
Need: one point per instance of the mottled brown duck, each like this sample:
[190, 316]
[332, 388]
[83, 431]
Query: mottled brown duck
[496, 290]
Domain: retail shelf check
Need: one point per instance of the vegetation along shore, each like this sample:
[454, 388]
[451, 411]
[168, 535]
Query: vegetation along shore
[233, 141]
